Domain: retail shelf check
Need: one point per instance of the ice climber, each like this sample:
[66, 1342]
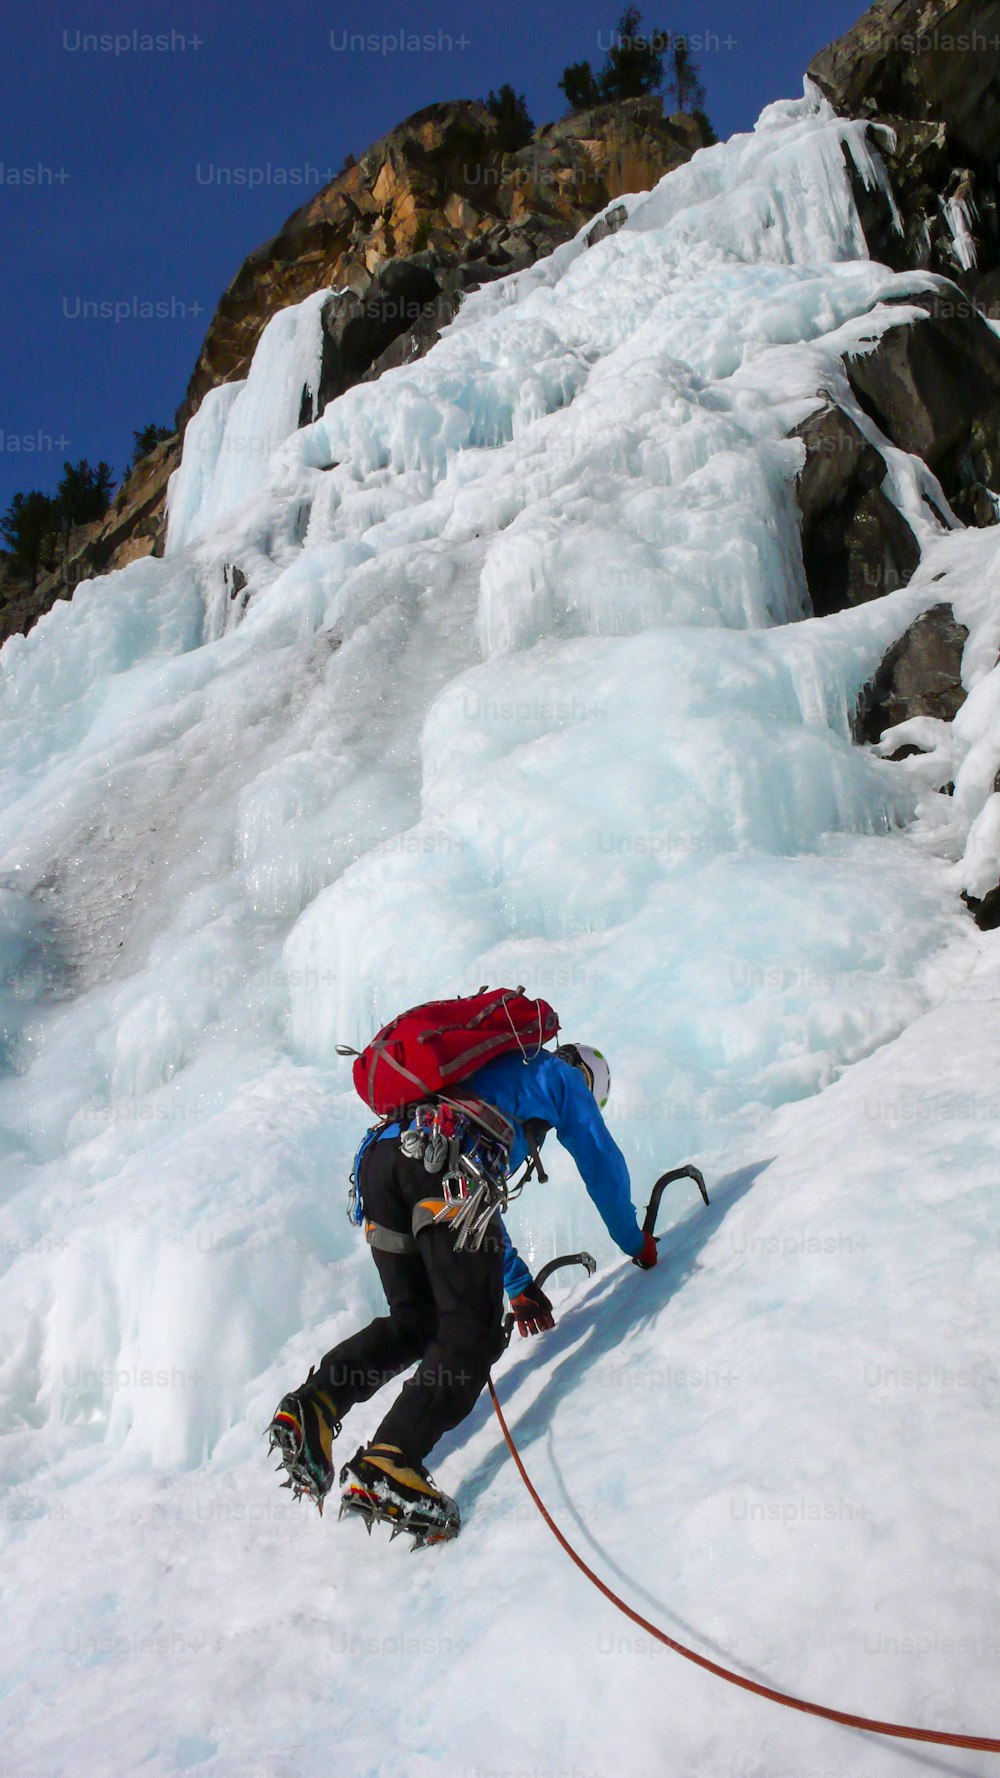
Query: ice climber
[445, 1301]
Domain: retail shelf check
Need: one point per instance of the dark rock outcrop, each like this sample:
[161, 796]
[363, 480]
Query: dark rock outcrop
[930, 71]
[927, 75]
[933, 387]
[357, 330]
[855, 544]
[608, 224]
[985, 909]
[920, 676]
[947, 217]
[921, 60]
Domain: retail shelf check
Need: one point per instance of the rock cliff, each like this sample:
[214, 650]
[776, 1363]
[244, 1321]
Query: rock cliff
[430, 211]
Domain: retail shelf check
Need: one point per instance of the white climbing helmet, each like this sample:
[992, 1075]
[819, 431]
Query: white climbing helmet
[593, 1067]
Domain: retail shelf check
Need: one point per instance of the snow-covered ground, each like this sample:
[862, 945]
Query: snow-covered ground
[519, 688]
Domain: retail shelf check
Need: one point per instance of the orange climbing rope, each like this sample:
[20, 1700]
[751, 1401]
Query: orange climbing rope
[981, 1743]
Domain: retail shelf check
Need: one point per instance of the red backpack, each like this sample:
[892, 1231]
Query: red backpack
[431, 1048]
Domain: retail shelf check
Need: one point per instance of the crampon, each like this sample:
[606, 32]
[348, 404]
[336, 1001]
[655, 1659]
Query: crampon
[359, 1504]
[303, 1429]
[300, 1477]
[380, 1489]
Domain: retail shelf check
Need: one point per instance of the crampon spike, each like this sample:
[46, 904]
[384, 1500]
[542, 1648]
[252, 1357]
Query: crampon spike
[371, 1514]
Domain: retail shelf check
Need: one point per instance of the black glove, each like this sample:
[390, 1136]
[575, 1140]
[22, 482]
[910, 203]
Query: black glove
[532, 1311]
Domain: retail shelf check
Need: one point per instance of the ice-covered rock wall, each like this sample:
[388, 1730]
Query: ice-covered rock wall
[502, 670]
[518, 684]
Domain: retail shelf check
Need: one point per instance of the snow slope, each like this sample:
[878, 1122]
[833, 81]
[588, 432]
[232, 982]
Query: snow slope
[519, 686]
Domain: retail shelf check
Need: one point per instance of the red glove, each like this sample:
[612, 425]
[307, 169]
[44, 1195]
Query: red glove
[647, 1255]
[532, 1311]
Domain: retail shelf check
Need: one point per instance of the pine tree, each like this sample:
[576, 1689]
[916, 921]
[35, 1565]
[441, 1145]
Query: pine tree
[634, 66]
[580, 87]
[511, 112]
[84, 493]
[30, 526]
[635, 61]
[684, 82]
[146, 440]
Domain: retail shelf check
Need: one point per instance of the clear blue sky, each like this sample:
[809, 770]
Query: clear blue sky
[125, 144]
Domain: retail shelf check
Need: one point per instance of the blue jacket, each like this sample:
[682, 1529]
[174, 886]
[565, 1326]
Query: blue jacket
[552, 1090]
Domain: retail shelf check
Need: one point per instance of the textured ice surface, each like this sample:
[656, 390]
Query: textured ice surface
[231, 437]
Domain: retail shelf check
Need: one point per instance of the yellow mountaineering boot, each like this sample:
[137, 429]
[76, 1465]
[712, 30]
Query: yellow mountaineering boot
[379, 1484]
[304, 1427]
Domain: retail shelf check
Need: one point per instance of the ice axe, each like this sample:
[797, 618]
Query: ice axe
[586, 1260]
[665, 1179]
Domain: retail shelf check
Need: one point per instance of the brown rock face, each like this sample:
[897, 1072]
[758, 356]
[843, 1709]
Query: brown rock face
[441, 184]
[431, 211]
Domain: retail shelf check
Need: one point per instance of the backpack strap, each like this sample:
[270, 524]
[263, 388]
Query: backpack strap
[535, 1132]
[491, 1121]
[355, 1207]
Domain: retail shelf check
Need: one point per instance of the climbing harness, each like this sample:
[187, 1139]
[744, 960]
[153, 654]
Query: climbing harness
[467, 1143]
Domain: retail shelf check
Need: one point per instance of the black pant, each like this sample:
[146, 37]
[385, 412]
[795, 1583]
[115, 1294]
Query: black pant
[445, 1308]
